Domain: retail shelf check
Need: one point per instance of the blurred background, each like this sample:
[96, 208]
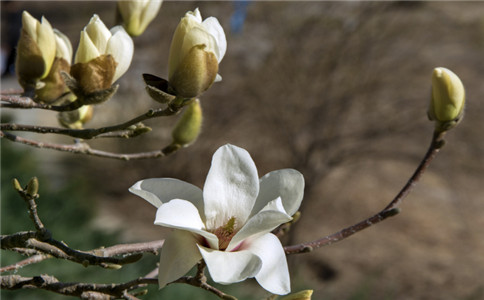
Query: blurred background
[338, 91]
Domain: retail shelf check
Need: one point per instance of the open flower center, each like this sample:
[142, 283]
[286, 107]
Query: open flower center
[225, 233]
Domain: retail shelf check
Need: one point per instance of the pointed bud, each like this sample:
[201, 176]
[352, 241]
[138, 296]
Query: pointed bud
[189, 125]
[137, 14]
[35, 51]
[448, 99]
[196, 50]
[16, 185]
[302, 295]
[33, 187]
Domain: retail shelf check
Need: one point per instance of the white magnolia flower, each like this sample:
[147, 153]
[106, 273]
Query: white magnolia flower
[228, 224]
[97, 39]
[196, 50]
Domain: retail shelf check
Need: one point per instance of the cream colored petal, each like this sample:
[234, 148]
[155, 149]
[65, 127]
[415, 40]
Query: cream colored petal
[231, 187]
[63, 46]
[230, 267]
[274, 273]
[98, 33]
[46, 43]
[30, 24]
[213, 27]
[121, 47]
[86, 50]
[178, 255]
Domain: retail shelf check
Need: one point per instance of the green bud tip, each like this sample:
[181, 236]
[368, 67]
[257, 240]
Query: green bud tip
[33, 187]
[16, 185]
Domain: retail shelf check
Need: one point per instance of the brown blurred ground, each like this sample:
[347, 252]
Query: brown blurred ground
[338, 91]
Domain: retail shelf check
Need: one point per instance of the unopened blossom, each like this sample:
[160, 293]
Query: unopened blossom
[103, 55]
[229, 223]
[35, 50]
[137, 14]
[448, 96]
[196, 50]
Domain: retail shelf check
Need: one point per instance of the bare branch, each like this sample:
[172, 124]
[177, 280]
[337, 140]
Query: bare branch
[148, 247]
[28, 261]
[82, 148]
[390, 210]
[133, 126]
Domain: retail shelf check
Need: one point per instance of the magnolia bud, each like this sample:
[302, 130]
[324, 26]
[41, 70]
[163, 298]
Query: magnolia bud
[75, 119]
[448, 99]
[195, 74]
[33, 187]
[53, 85]
[102, 56]
[196, 50]
[35, 51]
[137, 14]
[188, 126]
[302, 295]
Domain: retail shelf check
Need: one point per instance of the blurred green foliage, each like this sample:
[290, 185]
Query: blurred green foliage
[66, 210]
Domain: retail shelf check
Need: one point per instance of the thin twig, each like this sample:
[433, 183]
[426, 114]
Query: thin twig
[148, 247]
[83, 148]
[390, 210]
[91, 133]
[28, 261]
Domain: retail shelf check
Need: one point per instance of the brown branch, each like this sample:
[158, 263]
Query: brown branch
[122, 249]
[133, 126]
[83, 290]
[390, 210]
[28, 261]
[21, 102]
[100, 291]
[82, 148]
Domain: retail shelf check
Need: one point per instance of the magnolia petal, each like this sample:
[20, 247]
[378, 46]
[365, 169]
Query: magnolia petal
[274, 274]
[198, 36]
[46, 43]
[98, 33]
[263, 222]
[63, 46]
[231, 187]
[229, 267]
[182, 214]
[178, 255]
[213, 27]
[196, 15]
[121, 47]
[149, 13]
[30, 25]
[287, 184]
[86, 50]
[159, 190]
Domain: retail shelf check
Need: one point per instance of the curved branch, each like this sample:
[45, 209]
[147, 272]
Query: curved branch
[390, 210]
